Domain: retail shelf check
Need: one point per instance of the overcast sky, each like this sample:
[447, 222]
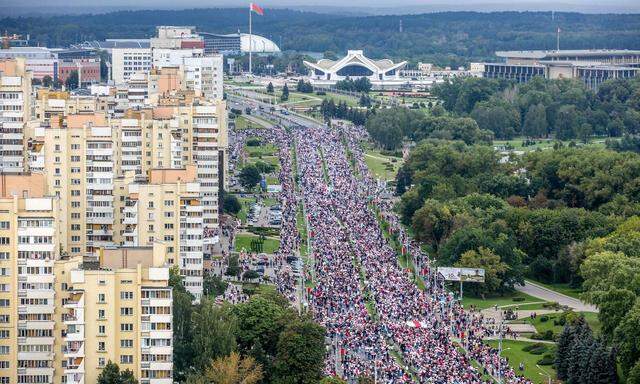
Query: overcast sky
[376, 6]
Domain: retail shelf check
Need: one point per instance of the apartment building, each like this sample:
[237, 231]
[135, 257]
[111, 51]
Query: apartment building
[79, 164]
[117, 309]
[15, 112]
[167, 207]
[28, 250]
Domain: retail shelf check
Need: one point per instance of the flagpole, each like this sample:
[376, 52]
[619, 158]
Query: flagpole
[558, 40]
[250, 39]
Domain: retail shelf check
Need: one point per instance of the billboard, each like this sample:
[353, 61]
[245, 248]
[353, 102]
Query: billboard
[475, 275]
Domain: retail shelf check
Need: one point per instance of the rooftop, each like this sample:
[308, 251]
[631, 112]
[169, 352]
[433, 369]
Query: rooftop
[570, 52]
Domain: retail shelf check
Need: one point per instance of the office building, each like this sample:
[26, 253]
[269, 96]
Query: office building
[127, 61]
[592, 67]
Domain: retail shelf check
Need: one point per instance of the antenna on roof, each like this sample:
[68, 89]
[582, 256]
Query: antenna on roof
[400, 28]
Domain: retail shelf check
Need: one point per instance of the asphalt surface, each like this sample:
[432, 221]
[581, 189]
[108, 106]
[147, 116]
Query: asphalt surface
[547, 294]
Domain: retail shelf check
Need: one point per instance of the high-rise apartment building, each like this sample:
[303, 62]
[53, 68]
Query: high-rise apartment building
[117, 309]
[79, 163]
[166, 206]
[15, 112]
[28, 250]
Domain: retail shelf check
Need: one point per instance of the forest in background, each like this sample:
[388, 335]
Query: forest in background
[444, 38]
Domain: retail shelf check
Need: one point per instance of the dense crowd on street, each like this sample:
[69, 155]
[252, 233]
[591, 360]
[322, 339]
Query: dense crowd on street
[378, 323]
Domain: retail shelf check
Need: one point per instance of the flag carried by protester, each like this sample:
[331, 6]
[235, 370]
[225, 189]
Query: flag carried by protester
[256, 8]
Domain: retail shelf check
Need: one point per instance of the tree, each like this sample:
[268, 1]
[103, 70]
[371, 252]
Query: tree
[270, 88]
[433, 223]
[627, 339]
[182, 335]
[300, 354]
[214, 285]
[249, 177]
[72, 80]
[231, 204]
[535, 121]
[493, 267]
[285, 93]
[231, 369]
[214, 330]
[332, 380]
[111, 374]
[47, 81]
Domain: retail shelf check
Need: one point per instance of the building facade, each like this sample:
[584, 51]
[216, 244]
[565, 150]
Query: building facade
[15, 112]
[591, 67]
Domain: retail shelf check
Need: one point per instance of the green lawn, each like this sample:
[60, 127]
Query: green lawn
[243, 123]
[593, 321]
[565, 289]
[512, 350]
[245, 203]
[381, 166]
[244, 241]
[337, 97]
[500, 300]
[544, 143]
[301, 223]
[261, 150]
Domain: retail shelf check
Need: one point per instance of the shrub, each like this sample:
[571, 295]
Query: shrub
[544, 318]
[546, 360]
[250, 274]
[518, 299]
[537, 348]
[547, 335]
[253, 142]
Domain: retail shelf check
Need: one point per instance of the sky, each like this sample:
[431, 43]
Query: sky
[363, 6]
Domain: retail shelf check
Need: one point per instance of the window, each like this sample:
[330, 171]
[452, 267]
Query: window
[4, 255]
[126, 295]
[101, 346]
[102, 329]
[4, 240]
[126, 311]
[101, 298]
[101, 362]
[100, 313]
[4, 225]
[4, 349]
[4, 302]
[4, 334]
[126, 343]
[126, 359]
[125, 327]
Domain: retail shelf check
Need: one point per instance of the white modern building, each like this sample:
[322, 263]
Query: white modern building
[381, 73]
[127, 61]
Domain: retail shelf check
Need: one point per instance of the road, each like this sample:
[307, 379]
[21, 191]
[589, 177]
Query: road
[547, 294]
